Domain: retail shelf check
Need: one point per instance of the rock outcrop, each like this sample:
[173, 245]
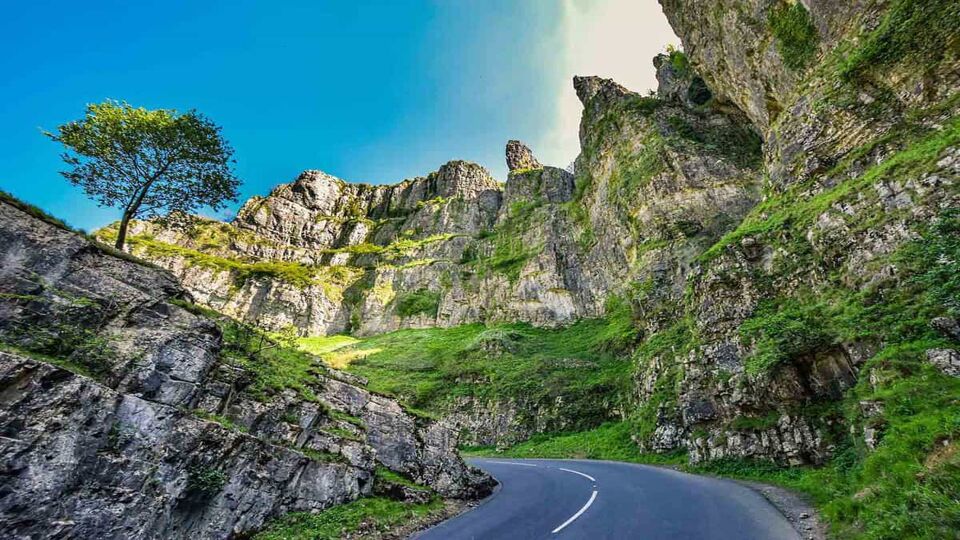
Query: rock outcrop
[326, 256]
[657, 182]
[520, 157]
[124, 415]
[844, 192]
[792, 148]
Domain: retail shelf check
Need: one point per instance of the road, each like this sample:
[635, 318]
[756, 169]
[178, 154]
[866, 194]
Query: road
[571, 499]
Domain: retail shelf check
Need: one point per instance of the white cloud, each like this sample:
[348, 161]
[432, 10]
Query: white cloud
[616, 39]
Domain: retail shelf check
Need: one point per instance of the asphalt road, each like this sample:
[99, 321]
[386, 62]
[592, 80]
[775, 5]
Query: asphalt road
[568, 499]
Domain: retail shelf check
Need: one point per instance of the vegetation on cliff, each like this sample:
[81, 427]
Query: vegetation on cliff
[586, 364]
[800, 334]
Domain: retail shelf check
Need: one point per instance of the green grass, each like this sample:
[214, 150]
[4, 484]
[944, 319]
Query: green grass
[321, 455]
[610, 441]
[295, 273]
[35, 211]
[796, 36]
[784, 330]
[385, 475]
[920, 31]
[62, 362]
[40, 214]
[755, 423]
[792, 212]
[509, 252]
[586, 363]
[373, 514]
[222, 420]
[72, 347]
[319, 345]
[399, 248]
[421, 301]
[273, 364]
[678, 60]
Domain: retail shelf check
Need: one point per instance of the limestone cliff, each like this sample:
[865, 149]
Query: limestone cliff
[126, 414]
[857, 106]
[548, 247]
[754, 214]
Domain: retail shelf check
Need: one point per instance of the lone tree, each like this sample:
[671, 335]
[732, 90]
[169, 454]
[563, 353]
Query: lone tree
[148, 163]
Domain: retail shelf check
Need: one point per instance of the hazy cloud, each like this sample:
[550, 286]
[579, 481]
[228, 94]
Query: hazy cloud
[615, 39]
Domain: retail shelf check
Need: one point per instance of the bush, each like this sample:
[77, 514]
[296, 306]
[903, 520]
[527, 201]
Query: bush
[417, 302]
[205, 480]
[781, 331]
[795, 33]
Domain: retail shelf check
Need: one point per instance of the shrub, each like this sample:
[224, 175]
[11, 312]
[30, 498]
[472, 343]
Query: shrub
[205, 480]
[417, 302]
[782, 331]
[795, 33]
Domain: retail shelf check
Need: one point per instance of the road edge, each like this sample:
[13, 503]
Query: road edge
[798, 510]
[467, 507]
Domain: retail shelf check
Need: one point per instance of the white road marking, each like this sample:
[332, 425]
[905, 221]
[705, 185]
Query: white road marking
[579, 512]
[587, 476]
[515, 463]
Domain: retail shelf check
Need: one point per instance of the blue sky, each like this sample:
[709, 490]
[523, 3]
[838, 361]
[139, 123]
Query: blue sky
[370, 91]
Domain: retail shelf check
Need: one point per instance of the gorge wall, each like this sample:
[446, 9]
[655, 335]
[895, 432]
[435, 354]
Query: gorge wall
[326, 256]
[753, 214]
[126, 413]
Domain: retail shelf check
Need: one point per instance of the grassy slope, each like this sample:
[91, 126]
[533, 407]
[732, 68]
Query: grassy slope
[374, 515]
[427, 368]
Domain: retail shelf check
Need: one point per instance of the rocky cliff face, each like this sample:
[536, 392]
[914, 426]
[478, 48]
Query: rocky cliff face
[754, 214]
[124, 414]
[325, 256]
[856, 105]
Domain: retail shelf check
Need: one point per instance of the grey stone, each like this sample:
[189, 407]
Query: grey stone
[121, 456]
[519, 156]
[946, 360]
[947, 326]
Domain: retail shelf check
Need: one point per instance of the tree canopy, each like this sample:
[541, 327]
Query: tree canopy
[148, 163]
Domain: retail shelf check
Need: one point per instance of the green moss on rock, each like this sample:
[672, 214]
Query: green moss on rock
[421, 301]
[795, 34]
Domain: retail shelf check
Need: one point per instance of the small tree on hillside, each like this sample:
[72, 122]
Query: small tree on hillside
[147, 163]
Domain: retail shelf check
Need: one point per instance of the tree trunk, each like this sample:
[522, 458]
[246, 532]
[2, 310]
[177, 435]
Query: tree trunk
[131, 211]
[122, 231]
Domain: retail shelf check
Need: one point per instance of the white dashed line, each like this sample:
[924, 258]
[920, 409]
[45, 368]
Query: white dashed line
[587, 476]
[579, 512]
[515, 463]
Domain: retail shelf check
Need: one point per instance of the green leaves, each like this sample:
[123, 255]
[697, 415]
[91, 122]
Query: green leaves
[796, 35]
[149, 163]
[782, 332]
[417, 302]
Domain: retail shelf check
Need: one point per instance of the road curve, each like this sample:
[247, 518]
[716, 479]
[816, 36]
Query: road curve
[570, 499]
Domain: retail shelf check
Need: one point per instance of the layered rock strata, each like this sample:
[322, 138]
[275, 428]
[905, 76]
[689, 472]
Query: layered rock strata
[121, 417]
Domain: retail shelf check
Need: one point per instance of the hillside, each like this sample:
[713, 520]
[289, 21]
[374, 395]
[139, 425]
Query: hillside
[753, 270]
[130, 412]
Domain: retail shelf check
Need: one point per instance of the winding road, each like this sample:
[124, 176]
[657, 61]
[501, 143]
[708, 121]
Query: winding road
[569, 499]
